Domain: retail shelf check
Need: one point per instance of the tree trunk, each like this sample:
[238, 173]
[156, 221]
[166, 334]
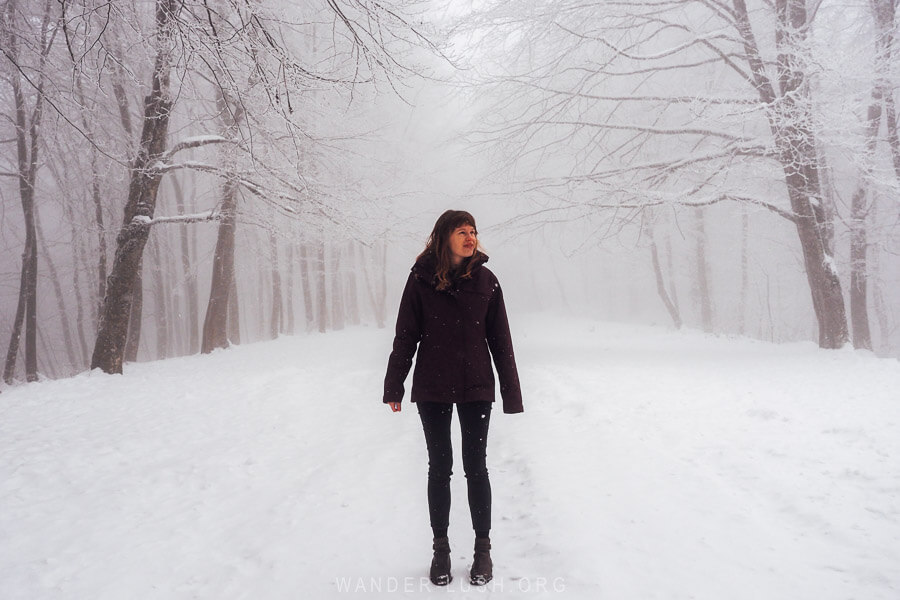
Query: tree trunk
[704, 297]
[101, 239]
[338, 311]
[48, 363]
[136, 315]
[160, 296]
[660, 285]
[27, 135]
[321, 293]
[215, 326]
[234, 314]
[859, 313]
[276, 320]
[382, 288]
[305, 282]
[790, 121]
[216, 322]
[670, 266]
[109, 350]
[795, 141]
[79, 259]
[190, 280]
[95, 177]
[859, 210]
[289, 301]
[745, 269]
[9, 368]
[829, 209]
[878, 301]
[893, 137]
[262, 289]
[884, 12]
[74, 363]
[350, 285]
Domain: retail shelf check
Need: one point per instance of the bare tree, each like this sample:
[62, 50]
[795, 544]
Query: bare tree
[701, 265]
[306, 283]
[58, 292]
[109, 350]
[190, 279]
[27, 128]
[604, 110]
[215, 324]
[276, 321]
[660, 283]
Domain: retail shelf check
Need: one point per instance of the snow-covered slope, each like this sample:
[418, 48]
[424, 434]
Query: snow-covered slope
[648, 464]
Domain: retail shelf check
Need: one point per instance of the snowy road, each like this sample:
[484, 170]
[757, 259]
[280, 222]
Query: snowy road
[648, 465]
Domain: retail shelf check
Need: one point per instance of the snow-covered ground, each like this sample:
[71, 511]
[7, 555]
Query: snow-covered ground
[648, 464]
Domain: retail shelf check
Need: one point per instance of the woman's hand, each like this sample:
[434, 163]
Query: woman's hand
[395, 406]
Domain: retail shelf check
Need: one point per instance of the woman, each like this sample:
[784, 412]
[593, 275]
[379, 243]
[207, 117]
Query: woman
[452, 310]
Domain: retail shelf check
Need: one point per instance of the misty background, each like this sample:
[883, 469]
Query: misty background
[727, 166]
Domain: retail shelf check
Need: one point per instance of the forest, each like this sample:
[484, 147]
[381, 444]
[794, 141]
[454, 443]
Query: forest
[179, 176]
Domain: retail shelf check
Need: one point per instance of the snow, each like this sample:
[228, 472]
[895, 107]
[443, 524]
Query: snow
[830, 264]
[649, 464]
[195, 141]
[199, 140]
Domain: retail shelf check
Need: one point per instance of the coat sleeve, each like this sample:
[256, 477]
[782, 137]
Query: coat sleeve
[406, 339]
[500, 343]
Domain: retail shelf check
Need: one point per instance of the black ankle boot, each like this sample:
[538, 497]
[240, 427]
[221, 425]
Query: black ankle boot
[440, 564]
[482, 566]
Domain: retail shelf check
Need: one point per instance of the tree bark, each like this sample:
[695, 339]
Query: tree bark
[745, 271]
[190, 280]
[859, 313]
[275, 324]
[790, 121]
[859, 210]
[305, 282]
[884, 12]
[9, 368]
[704, 297]
[160, 296]
[262, 294]
[95, 179]
[79, 259]
[321, 292]
[879, 304]
[338, 312]
[74, 363]
[109, 350]
[27, 136]
[660, 285]
[289, 301]
[381, 305]
[215, 325]
[350, 286]
[670, 266]
[136, 314]
[234, 314]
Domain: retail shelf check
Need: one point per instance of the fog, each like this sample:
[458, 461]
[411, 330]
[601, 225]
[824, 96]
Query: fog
[682, 163]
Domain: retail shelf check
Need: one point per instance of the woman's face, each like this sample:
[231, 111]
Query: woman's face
[463, 242]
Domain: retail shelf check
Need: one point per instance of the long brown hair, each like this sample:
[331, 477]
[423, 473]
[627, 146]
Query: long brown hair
[438, 246]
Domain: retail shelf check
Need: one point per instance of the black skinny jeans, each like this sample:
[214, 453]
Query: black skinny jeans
[474, 419]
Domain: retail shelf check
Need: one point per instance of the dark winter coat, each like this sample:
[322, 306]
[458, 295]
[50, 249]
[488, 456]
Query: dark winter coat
[453, 330]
